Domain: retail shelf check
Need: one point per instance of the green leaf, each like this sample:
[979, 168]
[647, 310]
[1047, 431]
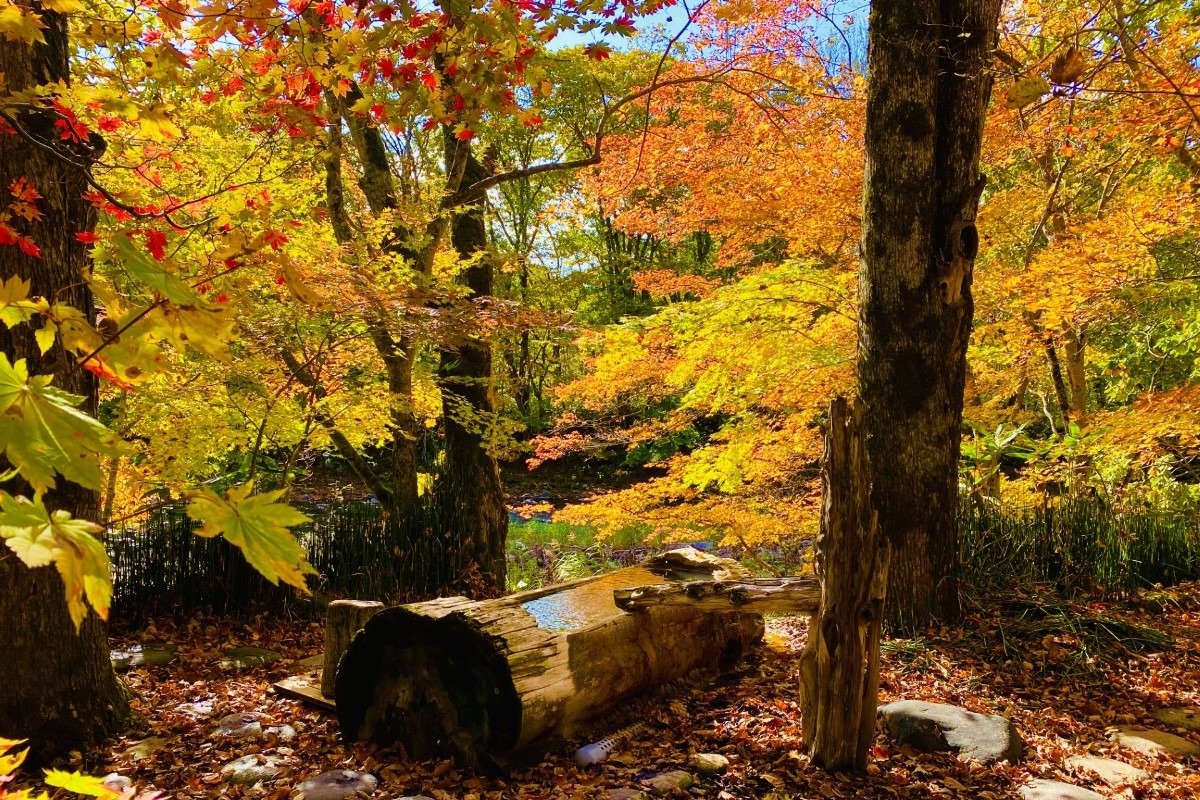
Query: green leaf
[44, 433]
[79, 784]
[258, 525]
[40, 537]
[144, 269]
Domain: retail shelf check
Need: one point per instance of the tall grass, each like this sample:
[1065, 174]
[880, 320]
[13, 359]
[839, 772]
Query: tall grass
[1077, 545]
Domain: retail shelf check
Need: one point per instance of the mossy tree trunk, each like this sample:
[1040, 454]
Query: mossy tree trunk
[59, 689]
[928, 86]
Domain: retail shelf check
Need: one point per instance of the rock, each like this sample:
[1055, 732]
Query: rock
[146, 748]
[933, 727]
[708, 763]
[1042, 789]
[117, 783]
[624, 794]
[676, 780]
[150, 653]
[246, 657]
[1110, 770]
[1153, 742]
[337, 784]
[200, 708]
[252, 769]
[240, 726]
[1186, 717]
[284, 733]
[312, 662]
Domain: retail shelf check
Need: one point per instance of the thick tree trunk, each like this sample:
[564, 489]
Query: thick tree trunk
[839, 668]
[928, 85]
[483, 680]
[470, 494]
[59, 688]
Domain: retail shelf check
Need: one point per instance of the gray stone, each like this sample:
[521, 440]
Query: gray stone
[1153, 742]
[240, 726]
[1110, 770]
[676, 780]
[117, 782]
[1042, 789]
[200, 708]
[624, 794]
[138, 655]
[246, 657]
[337, 784]
[1186, 717]
[708, 763]
[252, 769]
[145, 748]
[284, 733]
[933, 727]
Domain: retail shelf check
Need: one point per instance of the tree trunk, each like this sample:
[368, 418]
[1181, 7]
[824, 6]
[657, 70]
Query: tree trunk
[483, 680]
[60, 690]
[470, 494]
[928, 86]
[839, 668]
[1076, 372]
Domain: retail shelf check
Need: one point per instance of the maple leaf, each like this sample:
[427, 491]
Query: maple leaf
[79, 784]
[44, 432]
[258, 526]
[21, 25]
[152, 275]
[40, 537]
[15, 305]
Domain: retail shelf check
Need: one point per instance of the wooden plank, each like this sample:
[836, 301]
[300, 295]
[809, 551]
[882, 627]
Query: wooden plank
[307, 688]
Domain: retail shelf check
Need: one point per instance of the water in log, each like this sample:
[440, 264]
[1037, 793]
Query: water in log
[482, 680]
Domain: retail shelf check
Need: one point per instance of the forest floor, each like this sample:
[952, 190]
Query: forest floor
[1058, 672]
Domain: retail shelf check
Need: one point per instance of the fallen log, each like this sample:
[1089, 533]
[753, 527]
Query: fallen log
[482, 680]
[749, 596]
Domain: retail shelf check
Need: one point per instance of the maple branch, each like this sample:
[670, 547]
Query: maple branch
[302, 372]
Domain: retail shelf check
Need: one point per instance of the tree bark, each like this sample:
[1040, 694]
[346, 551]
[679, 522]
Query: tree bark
[1074, 342]
[59, 688]
[483, 680]
[928, 86]
[750, 596]
[470, 494]
[839, 668]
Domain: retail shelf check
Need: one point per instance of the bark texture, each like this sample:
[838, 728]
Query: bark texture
[928, 85]
[483, 680]
[59, 689]
[839, 668]
[470, 494]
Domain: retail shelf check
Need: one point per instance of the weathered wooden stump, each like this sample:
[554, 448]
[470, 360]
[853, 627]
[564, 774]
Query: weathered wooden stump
[482, 680]
[343, 619]
[839, 668]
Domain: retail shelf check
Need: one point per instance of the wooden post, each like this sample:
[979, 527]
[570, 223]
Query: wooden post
[343, 619]
[839, 668]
